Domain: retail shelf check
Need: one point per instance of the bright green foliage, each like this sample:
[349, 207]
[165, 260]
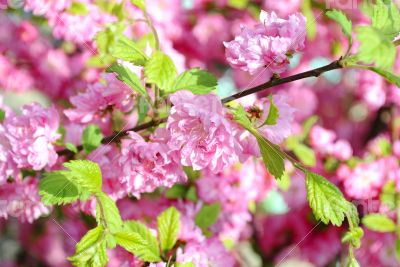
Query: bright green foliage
[71, 147]
[128, 77]
[305, 154]
[352, 262]
[78, 8]
[2, 115]
[91, 250]
[187, 264]
[56, 188]
[326, 200]
[375, 47]
[195, 80]
[271, 153]
[137, 245]
[239, 4]
[207, 215]
[273, 113]
[343, 21]
[311, 26]
[390, 77]
[139, 3]
[272, 156]
[128, 50]
[379, 223]
[386, 18]
[353, 236]
[144, 233]
[86, 174]
[160, 70]
[168, 228]
[107, 213]
[91, 138]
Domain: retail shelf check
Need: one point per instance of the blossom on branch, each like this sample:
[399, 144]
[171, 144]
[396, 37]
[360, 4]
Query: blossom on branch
[269, 45]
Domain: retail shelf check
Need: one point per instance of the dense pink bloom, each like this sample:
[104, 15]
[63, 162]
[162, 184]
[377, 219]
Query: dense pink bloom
[364, 181]
[268, 45]
[323, 141]
[283, 128]
[235, 189]
[147, 165]
[31, 135]
[205, 254]
[98, 98]
[21, 199]
[200, 132]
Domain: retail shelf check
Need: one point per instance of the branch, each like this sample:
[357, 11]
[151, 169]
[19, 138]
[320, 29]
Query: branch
[274, 82]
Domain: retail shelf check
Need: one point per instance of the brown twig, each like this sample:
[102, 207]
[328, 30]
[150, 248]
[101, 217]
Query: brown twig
[274, 82]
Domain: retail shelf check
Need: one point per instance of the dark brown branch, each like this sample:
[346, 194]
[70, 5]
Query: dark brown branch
[274, 82]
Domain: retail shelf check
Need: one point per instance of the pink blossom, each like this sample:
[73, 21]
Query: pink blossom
[21, 199]
[267, 45]
[31, 135]
[283, 128]
[342, 150]
[200, 132]
[364, 181]
[147, 165]
[94, 102]
[208, 253]
[321, 138]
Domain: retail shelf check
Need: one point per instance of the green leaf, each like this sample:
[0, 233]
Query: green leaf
[85, 174]
[390, 77]
[91, 250]
[128, 77]
[168, 228]
[379, 223]
[139, 3]
[353, 236]
[271, 153]
[389, 195]
[272, 156]
[311, 26]
[78, 8]
[386, 18]
[2, 115]
[187, 264]
[56, 189]
[305, 154]
[343, 21]
[71, 147]
[128, 50]
[134, 243]
[375, 47]
[207, 215]
[195, 80]
[239, 4]
[240, 116]
[191, 194]
[107, 213]
[176, 192]
[352, 262]
[160, 70]
[91, 138]
[326, 200]
[145, 234]
[273, 113]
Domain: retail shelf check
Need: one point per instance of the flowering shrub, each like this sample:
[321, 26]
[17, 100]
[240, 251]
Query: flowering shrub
[199, 133]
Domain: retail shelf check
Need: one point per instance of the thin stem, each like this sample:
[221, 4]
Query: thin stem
[274, 82]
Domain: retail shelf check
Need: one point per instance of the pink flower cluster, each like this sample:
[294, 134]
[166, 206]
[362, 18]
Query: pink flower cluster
[268, 45]
[100, 97]
[201, 132]
[27, 139]
[148, 165]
